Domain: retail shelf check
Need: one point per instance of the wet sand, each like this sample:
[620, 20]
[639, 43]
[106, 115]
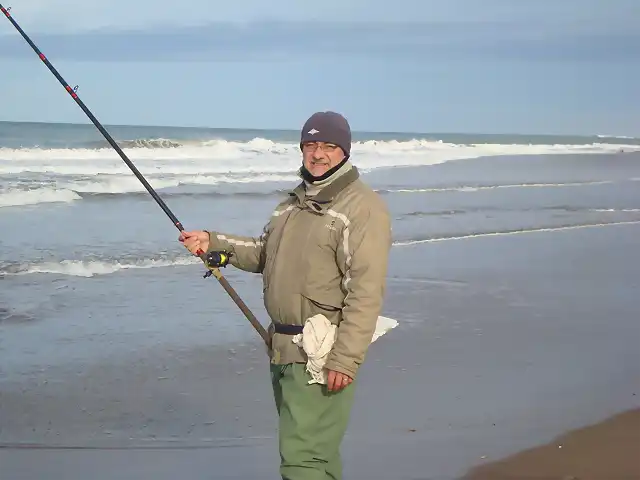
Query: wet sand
[609, 450]
[504, 343]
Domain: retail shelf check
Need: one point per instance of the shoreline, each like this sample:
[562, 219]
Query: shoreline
[605, 450]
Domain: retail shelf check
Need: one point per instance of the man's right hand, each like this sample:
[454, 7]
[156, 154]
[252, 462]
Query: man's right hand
[195, 240]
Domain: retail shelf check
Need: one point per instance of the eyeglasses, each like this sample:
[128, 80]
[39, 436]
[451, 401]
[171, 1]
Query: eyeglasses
[312, 146]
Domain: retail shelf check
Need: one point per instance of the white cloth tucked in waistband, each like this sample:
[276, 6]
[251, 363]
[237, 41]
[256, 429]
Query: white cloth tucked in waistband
[317, 339]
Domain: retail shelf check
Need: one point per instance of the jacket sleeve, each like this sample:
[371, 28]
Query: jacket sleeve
[367, 242]
[248, 252]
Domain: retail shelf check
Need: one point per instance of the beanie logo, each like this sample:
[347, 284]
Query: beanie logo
[313, 131]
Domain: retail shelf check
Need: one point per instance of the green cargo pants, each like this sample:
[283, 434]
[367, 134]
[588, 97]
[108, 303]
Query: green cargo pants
[312, 424]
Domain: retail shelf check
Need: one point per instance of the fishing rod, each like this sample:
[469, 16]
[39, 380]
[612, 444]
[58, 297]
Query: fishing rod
[212, 261]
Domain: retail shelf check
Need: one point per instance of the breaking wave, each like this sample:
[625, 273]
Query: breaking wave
[66, 191]
[474, 188]
[506, 208]
[417, 241]
[15, 198]
[150, 143]
[619, 137]
[61, 175]
[259, 156]
[98, 267]
[91, 268]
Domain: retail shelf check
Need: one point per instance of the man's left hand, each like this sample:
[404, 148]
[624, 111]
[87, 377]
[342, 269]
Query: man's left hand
[336, 381]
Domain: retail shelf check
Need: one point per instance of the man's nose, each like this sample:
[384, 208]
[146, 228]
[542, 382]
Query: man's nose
[318, 154]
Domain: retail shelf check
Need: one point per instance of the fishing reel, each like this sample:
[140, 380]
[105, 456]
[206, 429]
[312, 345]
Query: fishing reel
[216, 259]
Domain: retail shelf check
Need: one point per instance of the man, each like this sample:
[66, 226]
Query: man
[323, 251]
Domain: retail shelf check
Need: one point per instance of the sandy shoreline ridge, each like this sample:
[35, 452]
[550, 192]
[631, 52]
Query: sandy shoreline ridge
[608, 450]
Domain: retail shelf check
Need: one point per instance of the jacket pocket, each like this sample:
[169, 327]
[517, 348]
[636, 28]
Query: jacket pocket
[322, 302]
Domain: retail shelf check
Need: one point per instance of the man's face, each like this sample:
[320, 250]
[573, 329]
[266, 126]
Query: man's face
[318, 157]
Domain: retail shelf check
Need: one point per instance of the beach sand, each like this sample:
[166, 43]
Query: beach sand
[609, 450]
[499, 354]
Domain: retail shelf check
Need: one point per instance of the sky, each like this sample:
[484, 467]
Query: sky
[468, 66]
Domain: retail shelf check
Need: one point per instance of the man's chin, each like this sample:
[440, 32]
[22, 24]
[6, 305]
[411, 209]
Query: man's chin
[319, 170]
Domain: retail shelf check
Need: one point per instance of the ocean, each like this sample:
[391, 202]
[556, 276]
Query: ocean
[110, 335]
[67, 181]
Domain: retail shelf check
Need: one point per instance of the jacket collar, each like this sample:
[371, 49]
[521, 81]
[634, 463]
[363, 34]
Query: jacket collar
[320, 202]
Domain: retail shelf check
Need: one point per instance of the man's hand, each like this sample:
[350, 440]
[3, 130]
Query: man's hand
[336, 381]
[195, 240]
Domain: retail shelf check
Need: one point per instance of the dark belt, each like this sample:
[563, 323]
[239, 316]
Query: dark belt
[287, 329]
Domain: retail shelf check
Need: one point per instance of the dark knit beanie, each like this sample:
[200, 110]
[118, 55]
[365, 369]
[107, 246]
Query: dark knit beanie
[330, 127]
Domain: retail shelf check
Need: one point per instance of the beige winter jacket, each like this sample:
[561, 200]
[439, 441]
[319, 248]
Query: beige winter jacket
[323, 254]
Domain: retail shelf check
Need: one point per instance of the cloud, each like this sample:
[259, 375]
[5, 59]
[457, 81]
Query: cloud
[270, 40]
[205, 30]
[77, 16]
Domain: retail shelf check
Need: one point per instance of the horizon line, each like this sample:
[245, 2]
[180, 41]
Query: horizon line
[259, 129]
